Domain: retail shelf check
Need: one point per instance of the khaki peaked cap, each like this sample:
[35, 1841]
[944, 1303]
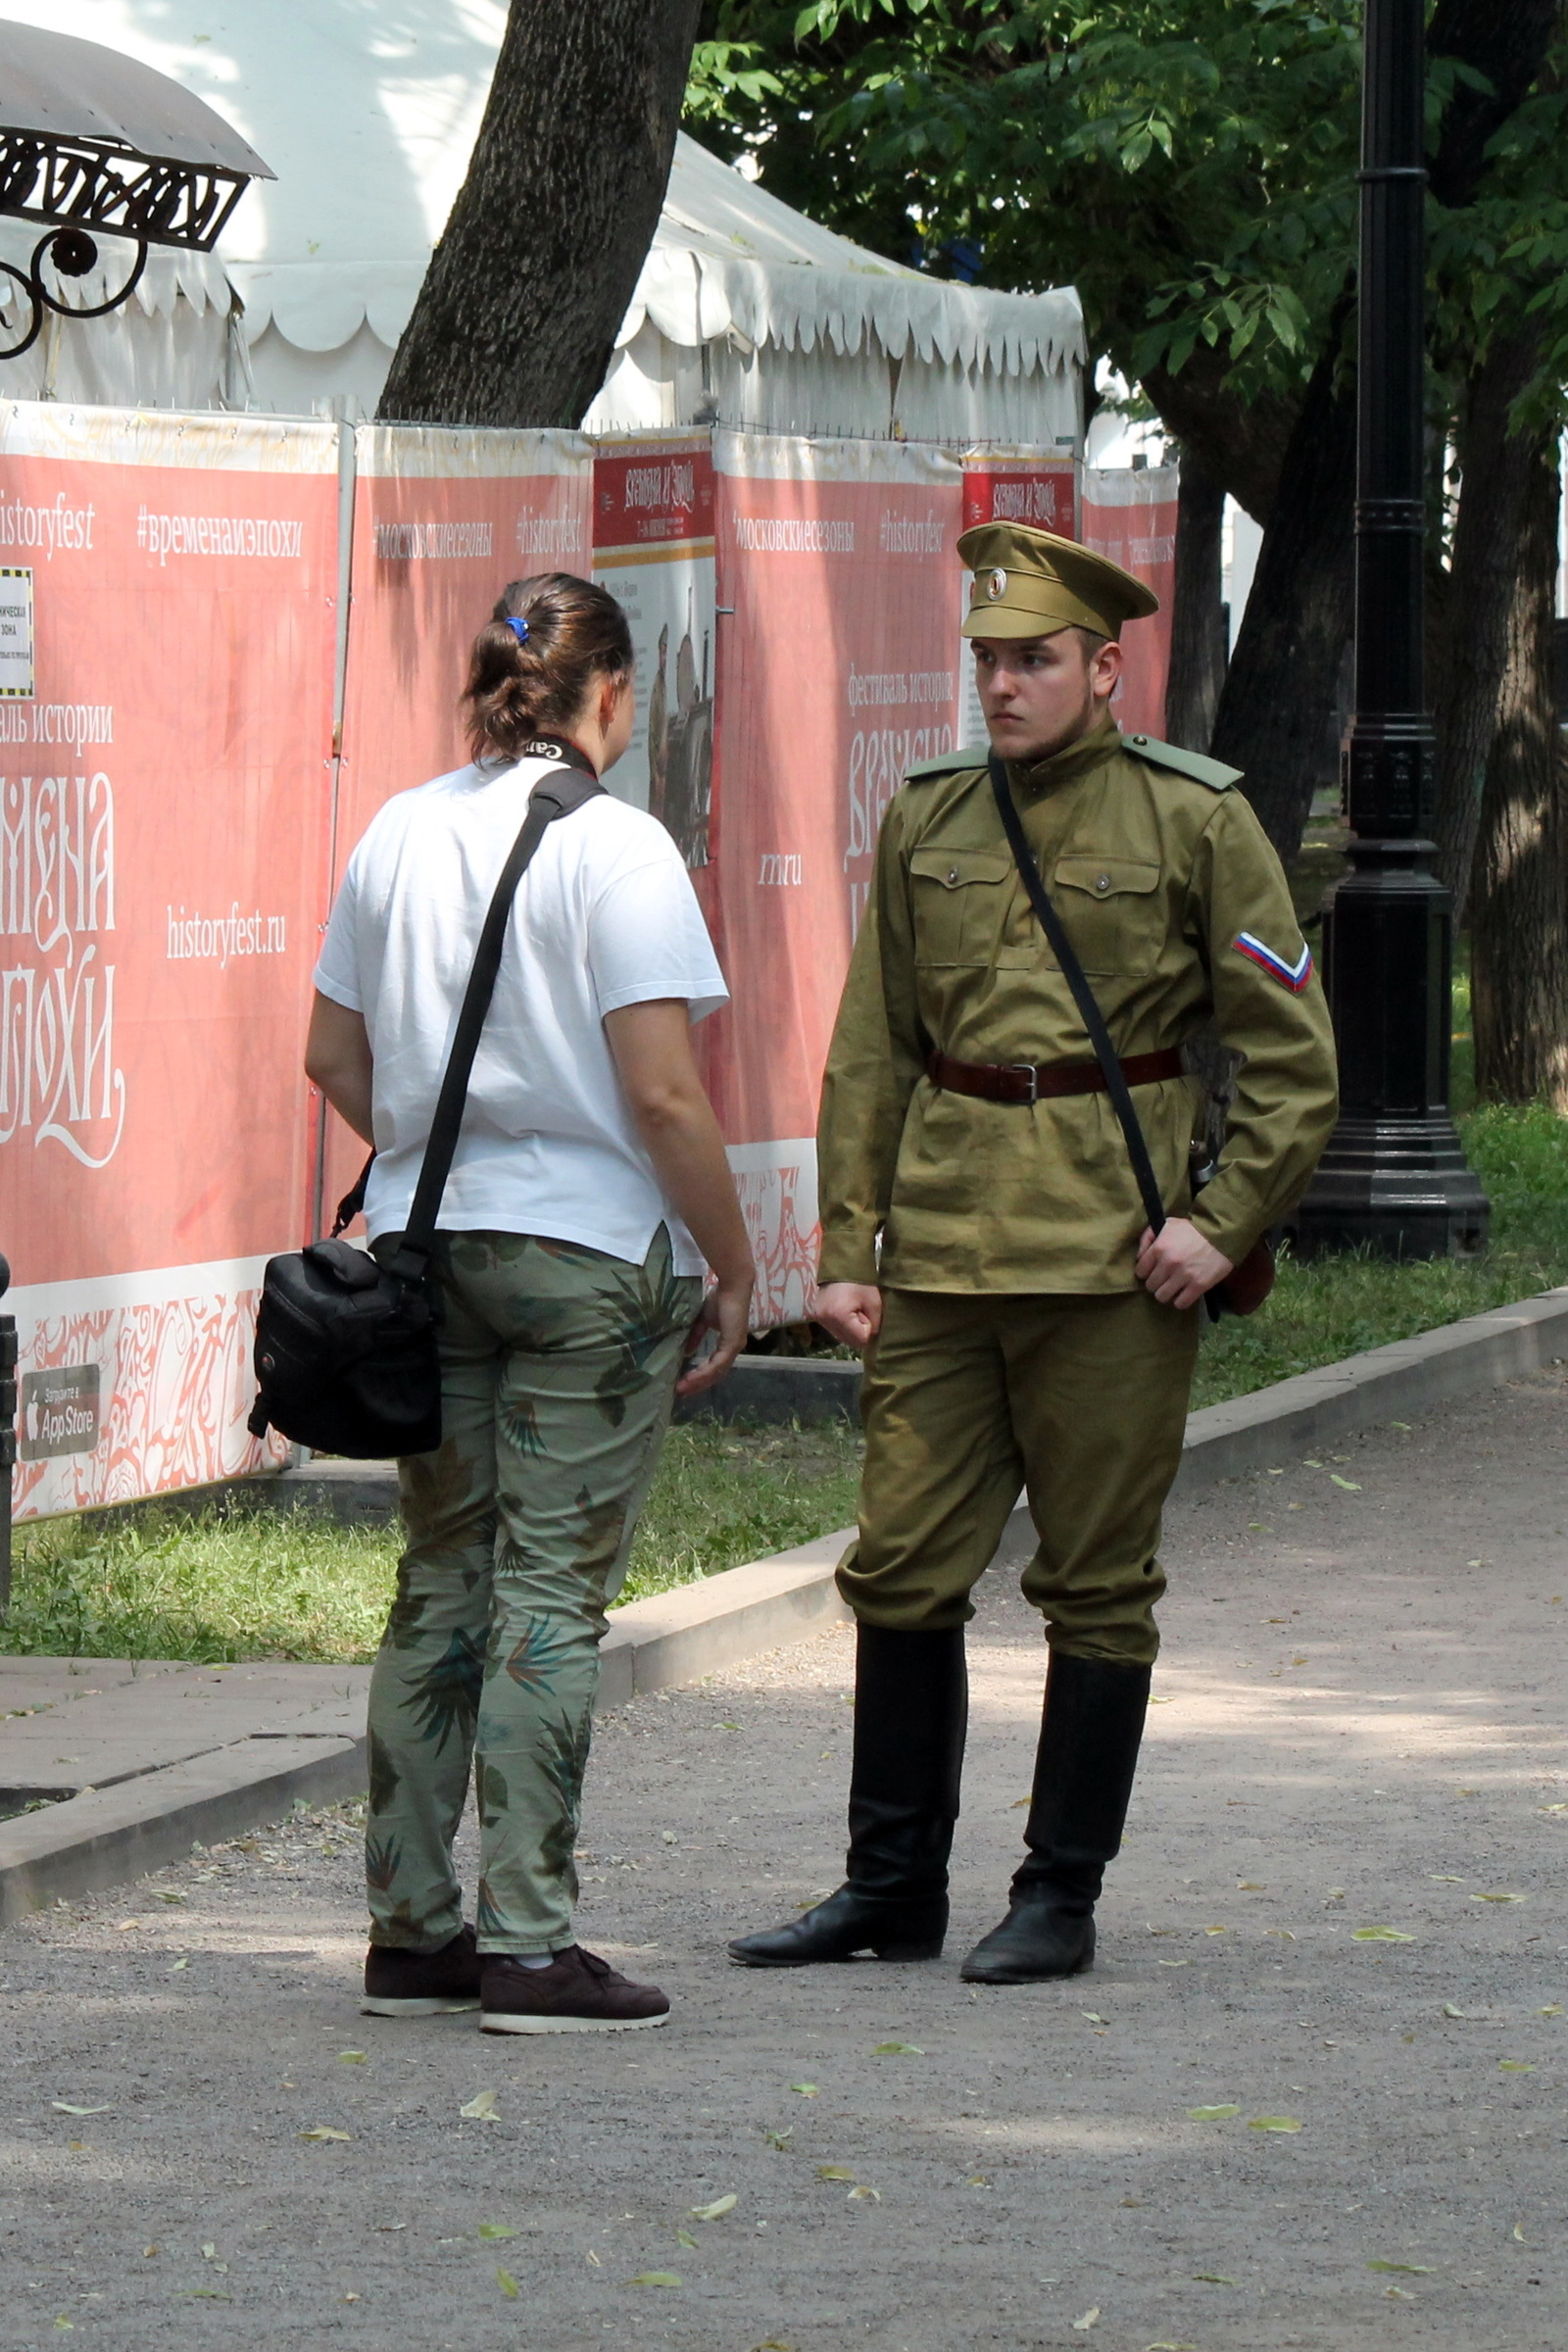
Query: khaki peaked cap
[1030, 583]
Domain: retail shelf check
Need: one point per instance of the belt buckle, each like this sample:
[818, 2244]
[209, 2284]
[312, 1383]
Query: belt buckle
[1029, 1070]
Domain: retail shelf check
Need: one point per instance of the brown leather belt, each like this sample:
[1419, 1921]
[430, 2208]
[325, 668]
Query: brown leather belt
[1038, 1081]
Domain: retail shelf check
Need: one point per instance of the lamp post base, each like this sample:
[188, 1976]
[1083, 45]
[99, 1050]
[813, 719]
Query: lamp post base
[1397, 1186]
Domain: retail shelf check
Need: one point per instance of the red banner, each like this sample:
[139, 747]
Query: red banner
[1131, 517]
[164, 772]
[837, 670]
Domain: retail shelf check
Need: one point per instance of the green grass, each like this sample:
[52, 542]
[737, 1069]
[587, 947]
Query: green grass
[255, 1583]
[166, 1583]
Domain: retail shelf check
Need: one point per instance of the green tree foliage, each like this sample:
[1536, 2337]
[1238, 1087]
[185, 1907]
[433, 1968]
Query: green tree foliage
[1189, 164]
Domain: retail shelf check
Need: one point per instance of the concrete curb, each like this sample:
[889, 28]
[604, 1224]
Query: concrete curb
[102, 1839]
[1408, 1376]
[107, 1836]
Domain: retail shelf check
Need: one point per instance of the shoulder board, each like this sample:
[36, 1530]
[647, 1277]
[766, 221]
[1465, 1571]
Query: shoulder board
[1196, 765]
[950, 763]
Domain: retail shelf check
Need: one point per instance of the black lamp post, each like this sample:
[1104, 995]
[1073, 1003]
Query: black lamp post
[1395, 1175]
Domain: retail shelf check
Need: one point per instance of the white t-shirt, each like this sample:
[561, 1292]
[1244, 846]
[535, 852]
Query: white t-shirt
[606, 915]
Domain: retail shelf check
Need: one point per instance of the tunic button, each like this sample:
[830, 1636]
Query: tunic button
[1102, 881]
[952, 876]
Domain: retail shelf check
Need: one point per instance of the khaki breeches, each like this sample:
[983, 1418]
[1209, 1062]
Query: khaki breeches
[967, 1398]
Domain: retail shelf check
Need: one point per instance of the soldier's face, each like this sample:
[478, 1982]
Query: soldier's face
[1039, 694]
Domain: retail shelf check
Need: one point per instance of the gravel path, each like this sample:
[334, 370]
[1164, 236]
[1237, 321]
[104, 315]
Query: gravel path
[1359, 1726]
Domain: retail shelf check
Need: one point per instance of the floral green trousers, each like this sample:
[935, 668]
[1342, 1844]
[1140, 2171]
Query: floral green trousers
[557, 1372]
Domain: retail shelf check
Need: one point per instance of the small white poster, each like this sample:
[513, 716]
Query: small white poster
[16, 634]
[654, 550]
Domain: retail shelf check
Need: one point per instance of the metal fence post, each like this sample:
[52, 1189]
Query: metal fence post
[8, 1436]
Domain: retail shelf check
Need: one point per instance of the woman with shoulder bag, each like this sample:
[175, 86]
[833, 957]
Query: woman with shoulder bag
[588, 1188]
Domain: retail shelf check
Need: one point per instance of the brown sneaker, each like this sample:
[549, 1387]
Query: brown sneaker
[577, 1993]
[399, 1984]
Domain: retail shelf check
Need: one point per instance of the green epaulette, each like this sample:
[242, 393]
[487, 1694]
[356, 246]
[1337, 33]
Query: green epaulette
[1201, 770]
[950, 763]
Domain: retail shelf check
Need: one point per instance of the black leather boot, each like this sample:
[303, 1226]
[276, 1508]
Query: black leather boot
[911, 1708]
[1089, 1738]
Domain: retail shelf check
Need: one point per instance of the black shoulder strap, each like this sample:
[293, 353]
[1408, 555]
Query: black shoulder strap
[557, 795]
[1083, 996]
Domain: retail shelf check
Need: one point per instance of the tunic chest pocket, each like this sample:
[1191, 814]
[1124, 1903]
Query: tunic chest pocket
[960, 897]
[1113, 911]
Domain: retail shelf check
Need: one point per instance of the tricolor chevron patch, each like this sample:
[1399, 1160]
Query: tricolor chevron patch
[1294, 976]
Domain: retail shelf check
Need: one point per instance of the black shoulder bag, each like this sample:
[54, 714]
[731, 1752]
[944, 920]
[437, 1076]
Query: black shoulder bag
[1249, 1284]
[346, 1349]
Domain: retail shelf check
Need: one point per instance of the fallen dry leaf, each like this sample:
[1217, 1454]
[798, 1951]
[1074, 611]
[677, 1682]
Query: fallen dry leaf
[65, 2107]
[710, 2213]
[1517, 2065]
[656, 2278]
[808, 2090]
[1413, 2269]
[1089, 2317]
[325, 2131]
[1380, 1935]
[897, 2049]
[482, 2108]
[508, 2285]
[834, 2172]
[1275, 2123]
[1497, 1898]
[1212, 2114]
[496, 2230]
[861, 2190]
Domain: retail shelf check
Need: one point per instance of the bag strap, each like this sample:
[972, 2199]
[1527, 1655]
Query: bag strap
[554, 796]
[1089, 1012]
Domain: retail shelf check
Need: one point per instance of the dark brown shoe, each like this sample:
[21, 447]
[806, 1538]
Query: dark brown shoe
[399, 1984]
[577, 1993]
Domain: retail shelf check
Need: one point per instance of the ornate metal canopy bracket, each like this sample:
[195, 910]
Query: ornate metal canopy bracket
[71, 253]
[94, 144]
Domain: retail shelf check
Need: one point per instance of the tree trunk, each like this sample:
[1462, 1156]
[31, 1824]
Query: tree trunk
[1275, 717]
[1198, 648]
[516, 320]
[1496, 487]
[1520, 931]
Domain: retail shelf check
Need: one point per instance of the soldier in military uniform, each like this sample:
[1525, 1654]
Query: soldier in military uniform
[983, 1242]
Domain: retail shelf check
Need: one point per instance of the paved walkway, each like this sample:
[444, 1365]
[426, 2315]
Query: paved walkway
[1360, 1727]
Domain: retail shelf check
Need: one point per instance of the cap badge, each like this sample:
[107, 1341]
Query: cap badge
[997, 586]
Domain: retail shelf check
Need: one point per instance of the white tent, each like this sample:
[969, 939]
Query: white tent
[747, 314]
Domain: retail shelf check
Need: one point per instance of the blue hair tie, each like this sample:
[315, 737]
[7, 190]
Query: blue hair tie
[519, 628]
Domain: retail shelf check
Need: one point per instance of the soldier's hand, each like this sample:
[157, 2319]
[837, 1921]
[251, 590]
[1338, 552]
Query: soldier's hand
[852, 1311]
[1178, 1265]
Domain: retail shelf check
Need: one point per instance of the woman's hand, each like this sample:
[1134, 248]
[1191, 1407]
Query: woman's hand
[1178, 1265]
[726, 1310]
[852, 1311]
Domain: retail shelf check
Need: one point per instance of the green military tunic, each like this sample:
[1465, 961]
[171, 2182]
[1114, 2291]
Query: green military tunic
[1018, 1346]
[1179, 910]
